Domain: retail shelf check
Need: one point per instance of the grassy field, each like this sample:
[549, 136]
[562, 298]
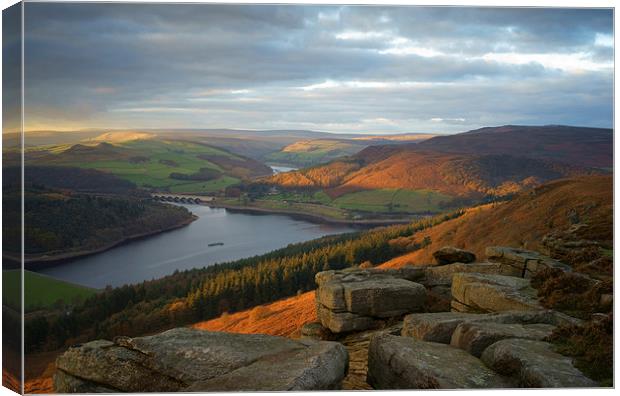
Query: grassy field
[352, 205]
[312, 152]
[377, 201]
[40, 291]
[158, 159]
[389, 200]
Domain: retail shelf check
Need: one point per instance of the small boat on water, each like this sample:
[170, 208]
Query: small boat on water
[216, 244]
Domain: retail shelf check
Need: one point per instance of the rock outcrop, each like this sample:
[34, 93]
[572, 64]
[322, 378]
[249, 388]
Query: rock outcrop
[191, 360]
[494, 336]
[362, 299]
[534, 364]
[316, 331]
[476, 337]
[441, 326]
[473, 292]
[522, 263]
[442, 275]
[406, 363]
[449, 255]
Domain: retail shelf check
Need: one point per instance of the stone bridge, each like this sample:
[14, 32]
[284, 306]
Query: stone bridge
[195, 199]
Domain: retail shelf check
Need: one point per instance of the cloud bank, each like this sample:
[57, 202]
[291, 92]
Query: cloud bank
[340, 69]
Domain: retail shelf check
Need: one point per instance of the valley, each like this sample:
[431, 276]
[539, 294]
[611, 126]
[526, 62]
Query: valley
[231, 197]
[214, 279]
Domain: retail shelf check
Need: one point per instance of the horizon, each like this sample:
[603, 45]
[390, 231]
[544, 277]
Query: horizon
[336, 69]
[171, 129]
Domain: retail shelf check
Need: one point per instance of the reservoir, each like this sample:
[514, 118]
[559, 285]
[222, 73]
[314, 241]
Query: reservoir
[217, 236]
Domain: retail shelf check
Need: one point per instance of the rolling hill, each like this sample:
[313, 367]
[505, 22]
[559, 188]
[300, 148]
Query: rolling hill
[462, 168]
[315, 151]
[587, 147]
[411, 168]
[176, 166]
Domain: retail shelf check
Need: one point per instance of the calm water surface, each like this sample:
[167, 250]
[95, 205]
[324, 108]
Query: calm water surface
[243, 235]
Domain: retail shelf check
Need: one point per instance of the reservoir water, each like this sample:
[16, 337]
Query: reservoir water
[242, 235]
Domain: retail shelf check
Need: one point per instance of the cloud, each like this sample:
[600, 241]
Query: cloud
[340, 68]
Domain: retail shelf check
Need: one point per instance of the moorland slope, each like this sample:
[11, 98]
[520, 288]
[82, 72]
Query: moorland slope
[521, 222]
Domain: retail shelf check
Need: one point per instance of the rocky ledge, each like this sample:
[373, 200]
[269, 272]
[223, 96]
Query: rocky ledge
[377, 329]
[190, 360]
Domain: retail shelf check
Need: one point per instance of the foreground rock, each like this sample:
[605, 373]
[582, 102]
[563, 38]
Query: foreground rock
[492, 293]
[449, 255]
[442, 275]
[357, 346]
[522, 263]
[534, 364]
[405, 363]
[357, 300]
[476, 337]
[440, 326]
[192, 360]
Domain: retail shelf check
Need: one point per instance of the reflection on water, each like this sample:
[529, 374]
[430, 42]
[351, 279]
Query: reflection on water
[281, 169]
[243, 235]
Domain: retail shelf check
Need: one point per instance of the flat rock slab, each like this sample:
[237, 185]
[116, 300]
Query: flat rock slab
[405, 363]
[492, 293]
[475, 337]
[440, 326]
[185, 359]
[534, 364]
[525, 263]
[442, 274]
[434, 327]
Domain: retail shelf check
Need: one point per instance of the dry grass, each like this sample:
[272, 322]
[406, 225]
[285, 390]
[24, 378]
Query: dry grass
[282, 318]
[523, 221]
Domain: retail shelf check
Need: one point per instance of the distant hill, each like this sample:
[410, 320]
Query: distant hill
[588, 147]
[315, 151]
[176, 166]
[394, 167]
[118, 137]
[488, 161]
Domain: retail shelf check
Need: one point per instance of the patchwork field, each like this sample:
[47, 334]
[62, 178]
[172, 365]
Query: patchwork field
[168, 165]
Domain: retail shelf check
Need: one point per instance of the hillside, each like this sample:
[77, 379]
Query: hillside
[176, 166]
[125, 136]
[311, 152]
[69, 212]
[521, 222]
[315, 151]
[587, 147]
[282, 318]
[414, 169]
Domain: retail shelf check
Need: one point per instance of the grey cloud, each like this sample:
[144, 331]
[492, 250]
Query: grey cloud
[94, 63]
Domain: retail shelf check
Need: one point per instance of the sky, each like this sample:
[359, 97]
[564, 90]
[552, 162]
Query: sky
[362, 69]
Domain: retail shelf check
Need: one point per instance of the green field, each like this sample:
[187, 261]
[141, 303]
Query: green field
[160, 159]
[390, 200]
[40, 291]
[377, 201]
[357, 205]
[312, 152]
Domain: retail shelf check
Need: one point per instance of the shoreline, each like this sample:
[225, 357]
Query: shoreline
[35, 263]
[306, 216]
